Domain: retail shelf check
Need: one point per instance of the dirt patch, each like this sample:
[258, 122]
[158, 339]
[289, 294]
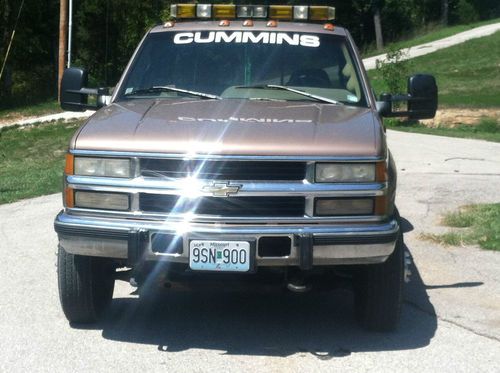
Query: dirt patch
[454, 117]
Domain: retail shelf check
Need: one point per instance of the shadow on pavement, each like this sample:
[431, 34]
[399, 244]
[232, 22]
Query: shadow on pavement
[264, 323]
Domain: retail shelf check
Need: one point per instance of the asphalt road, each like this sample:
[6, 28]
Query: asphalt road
[450, 321]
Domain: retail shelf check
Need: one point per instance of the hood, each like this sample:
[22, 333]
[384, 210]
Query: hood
[233, 127]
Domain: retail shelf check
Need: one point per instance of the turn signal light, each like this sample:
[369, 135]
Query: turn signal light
[69, 197]
[381, 172]
[69, 169]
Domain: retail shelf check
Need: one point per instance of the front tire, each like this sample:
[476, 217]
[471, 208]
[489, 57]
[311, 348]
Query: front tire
[86, 286]
[379, 292]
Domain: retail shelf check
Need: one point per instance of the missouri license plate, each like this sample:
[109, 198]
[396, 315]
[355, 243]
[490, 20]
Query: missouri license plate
[219, 256]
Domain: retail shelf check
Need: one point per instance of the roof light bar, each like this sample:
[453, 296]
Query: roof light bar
[274, 12]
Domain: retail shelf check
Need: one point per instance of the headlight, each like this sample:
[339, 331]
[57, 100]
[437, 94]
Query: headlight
[345, 172]
[107, 167]
[102, 201]
[337, 207]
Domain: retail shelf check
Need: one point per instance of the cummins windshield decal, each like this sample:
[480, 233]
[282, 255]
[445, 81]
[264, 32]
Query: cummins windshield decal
[305, 40]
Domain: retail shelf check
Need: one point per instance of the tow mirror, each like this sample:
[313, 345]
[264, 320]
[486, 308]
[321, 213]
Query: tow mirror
[424, 96]
[422, 99]
[74, 94]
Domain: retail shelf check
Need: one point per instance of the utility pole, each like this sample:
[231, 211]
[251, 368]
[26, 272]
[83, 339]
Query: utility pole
[70, 31]
[63, 40]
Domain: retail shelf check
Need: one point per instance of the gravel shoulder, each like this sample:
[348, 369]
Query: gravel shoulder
[451, 317]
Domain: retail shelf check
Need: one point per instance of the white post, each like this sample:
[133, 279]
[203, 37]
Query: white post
[70, 31]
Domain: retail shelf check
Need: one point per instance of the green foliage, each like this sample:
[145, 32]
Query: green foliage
[489, 125]
[394, 71]
[478, 224]
[32, 160]
[465, 12]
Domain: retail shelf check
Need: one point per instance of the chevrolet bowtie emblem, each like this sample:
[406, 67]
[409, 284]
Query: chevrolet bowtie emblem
[221, 190]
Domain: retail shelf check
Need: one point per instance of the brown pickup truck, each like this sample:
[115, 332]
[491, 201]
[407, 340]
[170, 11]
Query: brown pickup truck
[241, 142]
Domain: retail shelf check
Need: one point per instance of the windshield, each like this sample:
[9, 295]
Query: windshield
[245, 65]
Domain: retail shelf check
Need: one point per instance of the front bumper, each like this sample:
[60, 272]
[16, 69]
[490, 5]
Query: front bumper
[312, 245]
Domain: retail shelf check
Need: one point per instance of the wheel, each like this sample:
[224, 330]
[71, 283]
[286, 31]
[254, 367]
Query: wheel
[86, 286]
[379, 292]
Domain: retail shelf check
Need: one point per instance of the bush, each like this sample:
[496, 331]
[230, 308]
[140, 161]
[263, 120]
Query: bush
[490, 125]
[395, 70]
[464, 12]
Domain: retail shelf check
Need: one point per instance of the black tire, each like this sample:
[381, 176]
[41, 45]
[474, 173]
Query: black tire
[86, 286]
[379, 292]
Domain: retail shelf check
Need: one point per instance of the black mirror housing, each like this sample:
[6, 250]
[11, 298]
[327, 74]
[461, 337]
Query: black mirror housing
[422, 99]
[74, 79]
[423, 91]
[74, 94]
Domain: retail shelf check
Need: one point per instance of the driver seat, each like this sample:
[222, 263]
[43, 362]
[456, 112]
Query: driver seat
[310, 78]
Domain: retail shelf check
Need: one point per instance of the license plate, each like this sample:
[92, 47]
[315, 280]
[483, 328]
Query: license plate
[219, 256]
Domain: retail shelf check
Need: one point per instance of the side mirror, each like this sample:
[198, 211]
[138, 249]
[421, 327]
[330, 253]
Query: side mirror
[424, 96]
[74, 79]
[422, 99]
[74, 94]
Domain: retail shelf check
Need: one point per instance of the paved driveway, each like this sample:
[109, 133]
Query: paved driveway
[451, 318]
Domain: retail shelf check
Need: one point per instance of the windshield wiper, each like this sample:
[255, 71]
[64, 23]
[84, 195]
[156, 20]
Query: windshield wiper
[284, 88]
[172, 89]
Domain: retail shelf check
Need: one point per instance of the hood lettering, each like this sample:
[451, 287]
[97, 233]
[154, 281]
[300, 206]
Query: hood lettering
[243, 120]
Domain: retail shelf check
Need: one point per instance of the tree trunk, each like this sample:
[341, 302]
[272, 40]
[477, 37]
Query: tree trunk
[378, 29]
[444, 12]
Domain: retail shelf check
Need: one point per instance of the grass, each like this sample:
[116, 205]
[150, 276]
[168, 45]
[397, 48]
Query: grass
[467, 74]
[473, 225]
[488, 129]
[32, 160]
[427, 35]
[48, 107]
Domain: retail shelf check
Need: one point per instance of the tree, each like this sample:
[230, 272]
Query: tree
[444, 12]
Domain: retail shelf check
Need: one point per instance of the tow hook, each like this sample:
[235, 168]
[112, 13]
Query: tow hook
[407, 270]
[298, 284]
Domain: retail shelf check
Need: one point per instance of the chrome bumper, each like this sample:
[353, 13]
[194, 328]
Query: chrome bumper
[312, 245]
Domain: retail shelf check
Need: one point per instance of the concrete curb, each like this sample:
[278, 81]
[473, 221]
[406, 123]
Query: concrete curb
[67, 115]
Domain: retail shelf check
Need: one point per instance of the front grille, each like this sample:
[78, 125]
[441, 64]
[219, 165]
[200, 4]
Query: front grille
[224, 170]
[230, 206]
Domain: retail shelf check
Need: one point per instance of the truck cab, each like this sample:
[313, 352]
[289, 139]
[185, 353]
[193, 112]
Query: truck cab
[240, 141]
